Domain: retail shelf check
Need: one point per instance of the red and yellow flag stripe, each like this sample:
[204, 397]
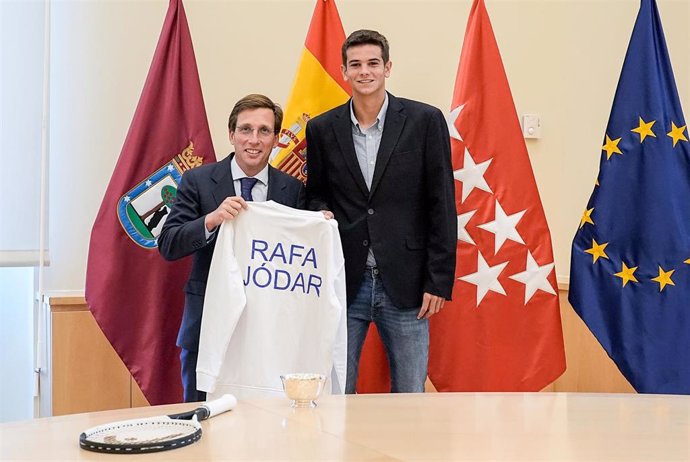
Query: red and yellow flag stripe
[318, 87]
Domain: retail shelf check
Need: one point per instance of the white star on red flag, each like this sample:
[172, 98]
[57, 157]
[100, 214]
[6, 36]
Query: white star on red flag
[504, 227]
[485, 278]
[471, 175]
[534, 277]
[451, 120]
[463, 219]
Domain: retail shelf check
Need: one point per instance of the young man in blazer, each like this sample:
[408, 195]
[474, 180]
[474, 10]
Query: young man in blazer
[208, 195]
[382, 166]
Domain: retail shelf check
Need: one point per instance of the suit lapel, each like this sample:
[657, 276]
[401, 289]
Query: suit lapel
[395, 120]
[222, 177]
[225, 186]
[343, 134]
[275, 185]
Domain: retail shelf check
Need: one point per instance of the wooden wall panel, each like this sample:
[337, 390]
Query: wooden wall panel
[138, 398]
[87, 373]
[89, 376]
[589, 368]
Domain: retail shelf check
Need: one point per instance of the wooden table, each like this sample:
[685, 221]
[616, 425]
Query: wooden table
[435, 426]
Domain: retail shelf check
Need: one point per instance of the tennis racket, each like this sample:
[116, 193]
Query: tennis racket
[153, 434]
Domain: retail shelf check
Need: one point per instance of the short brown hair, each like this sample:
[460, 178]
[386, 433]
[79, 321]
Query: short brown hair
[256, 101]
[366, 37]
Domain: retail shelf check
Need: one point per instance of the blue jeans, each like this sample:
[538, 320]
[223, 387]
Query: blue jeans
[405, 338]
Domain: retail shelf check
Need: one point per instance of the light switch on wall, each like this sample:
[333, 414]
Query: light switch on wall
[531, 126]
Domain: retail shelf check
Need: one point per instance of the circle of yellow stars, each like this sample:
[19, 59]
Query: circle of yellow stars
[627, 274]
[644, 129]
[597, 251]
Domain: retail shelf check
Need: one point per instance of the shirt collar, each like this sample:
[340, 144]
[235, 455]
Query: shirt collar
[380, 118]
[238, 173]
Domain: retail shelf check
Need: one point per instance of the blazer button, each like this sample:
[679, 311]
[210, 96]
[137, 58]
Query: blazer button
[365, 243]
[370, 211]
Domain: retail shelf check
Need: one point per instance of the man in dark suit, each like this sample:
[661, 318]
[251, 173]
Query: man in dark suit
[207, 196]
[382, 166]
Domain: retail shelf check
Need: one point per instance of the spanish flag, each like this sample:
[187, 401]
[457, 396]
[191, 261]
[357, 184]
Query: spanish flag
[318, 87]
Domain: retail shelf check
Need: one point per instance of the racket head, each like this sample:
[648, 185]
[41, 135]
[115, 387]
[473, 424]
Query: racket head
[154, 434]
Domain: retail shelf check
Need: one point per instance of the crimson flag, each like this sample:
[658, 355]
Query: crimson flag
[136, 296]
[502, 331]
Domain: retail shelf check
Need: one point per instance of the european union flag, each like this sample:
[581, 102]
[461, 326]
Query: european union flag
[630, 266]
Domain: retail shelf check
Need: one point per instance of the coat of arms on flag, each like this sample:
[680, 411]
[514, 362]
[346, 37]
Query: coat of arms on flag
[136, 297]
[293, 143]
[143, 209]
[318, 87]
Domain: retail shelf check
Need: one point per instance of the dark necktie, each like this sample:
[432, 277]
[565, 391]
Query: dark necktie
[246, 184]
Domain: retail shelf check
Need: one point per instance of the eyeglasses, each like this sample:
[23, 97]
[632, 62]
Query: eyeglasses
[261, 132]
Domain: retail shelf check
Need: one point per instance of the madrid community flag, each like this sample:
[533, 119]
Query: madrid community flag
[630, 264]
[136, 296]
[318, 87]
[502, 331]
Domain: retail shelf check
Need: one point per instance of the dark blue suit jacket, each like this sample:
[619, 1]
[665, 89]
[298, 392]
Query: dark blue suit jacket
[200, 192]
[408, 217]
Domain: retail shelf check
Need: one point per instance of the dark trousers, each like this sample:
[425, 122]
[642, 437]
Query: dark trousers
[188, 360]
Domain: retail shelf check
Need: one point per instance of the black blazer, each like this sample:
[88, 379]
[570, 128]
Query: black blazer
[200, 192]
[408, 217]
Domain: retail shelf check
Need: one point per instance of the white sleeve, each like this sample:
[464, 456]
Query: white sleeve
[340, 295]
[224, 303]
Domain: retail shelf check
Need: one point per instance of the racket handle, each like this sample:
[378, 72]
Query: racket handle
[220, 405]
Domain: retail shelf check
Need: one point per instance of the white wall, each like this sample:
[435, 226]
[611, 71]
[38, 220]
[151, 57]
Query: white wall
[563, 59]
[22, 44]
[16, 350]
